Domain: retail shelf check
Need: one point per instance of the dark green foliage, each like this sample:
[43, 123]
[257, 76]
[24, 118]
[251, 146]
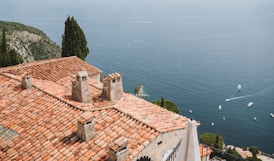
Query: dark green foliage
[162, 102]
[74, 42]
[4, 47]
[8, 57]
[254, 150]
[171, 106]
[211, 139]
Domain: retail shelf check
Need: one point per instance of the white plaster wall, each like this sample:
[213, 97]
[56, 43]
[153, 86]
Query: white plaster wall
[155, 151]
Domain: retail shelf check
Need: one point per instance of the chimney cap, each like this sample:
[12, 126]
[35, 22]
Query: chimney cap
[82, 73]
[119, 144]
[86, 117]
[113, 76]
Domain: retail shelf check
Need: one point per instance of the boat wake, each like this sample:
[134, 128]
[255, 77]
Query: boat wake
[236, 98]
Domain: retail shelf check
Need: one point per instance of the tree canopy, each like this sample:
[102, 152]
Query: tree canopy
[212, 139]
[169, 105]
[74, 41]
[8, 57]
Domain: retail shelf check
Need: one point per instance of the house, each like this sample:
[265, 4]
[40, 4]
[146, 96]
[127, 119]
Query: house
[59, 110]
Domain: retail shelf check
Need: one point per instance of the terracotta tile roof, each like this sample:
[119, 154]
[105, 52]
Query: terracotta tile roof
[205, 150]
[53, 69]
[45, 116]
[46, 127]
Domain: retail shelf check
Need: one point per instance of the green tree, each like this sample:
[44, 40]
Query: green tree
[4, 42]
[14, 57]
[212, 139]
[74, 41]
[8, 57]
[171, 106]
[162, 102]
[254, 150]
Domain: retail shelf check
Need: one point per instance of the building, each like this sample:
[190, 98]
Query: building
[59, 110]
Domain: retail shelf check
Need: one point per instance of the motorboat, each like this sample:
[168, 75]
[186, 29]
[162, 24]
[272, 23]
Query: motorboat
[250, 104]
[239, 87]
[220, 107]
[255, 119]
[190, 111]
[272, 115]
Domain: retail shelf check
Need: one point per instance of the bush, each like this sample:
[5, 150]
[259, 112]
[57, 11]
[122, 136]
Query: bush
[212, 139]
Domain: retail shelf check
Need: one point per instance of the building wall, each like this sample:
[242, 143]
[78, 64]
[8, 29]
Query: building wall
[95, 77]
[165, 141]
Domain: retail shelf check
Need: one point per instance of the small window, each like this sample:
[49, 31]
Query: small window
[113, 80]
[159, 143]
[118, 79]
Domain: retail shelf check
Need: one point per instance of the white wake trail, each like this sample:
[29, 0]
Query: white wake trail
[235, 98]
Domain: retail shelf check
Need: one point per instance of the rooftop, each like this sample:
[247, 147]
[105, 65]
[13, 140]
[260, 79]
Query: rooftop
[44, 118]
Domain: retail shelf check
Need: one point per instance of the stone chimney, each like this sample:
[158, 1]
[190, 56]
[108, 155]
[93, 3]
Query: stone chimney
[85, 128]
[26, 81]
[112, 87]
[118, 150]
[80, 88]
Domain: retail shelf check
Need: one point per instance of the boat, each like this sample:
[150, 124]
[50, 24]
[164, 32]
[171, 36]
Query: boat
[255, 119]
[272, 115]
[239, 87]
[190, 111]
[250, 104]
[220, 107]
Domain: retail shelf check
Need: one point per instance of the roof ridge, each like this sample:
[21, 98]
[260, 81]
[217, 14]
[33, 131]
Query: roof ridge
[135, 118]
[47, 93]
[38, 62]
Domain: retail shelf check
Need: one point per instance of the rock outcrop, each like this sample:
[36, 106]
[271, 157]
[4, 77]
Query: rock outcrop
[30, 43]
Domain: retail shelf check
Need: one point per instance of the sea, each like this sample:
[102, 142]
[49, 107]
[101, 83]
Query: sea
[194, 53]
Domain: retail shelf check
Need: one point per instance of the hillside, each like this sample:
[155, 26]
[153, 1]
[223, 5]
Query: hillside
[31, 43]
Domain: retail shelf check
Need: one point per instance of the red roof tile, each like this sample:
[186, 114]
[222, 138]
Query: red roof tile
[45, 116]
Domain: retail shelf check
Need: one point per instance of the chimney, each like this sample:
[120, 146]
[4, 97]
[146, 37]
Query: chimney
[26, 81]
[118, 150]
[85, 128]
[112, 87]
[80, 88]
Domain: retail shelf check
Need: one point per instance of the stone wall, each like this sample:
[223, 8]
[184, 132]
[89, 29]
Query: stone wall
[165, 141]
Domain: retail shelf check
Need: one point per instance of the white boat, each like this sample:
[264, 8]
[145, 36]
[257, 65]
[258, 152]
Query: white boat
[272, 115]
[239, 87]
[220, 107]
[255, 119]
[190, 111]
[250, 104]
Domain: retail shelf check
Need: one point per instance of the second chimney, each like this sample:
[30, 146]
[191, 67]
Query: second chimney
[112, 87]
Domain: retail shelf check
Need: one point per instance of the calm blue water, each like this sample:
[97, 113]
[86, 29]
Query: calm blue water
[192, 53]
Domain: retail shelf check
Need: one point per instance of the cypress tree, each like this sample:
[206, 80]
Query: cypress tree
[162, 102]
[4, 42]
[8, 57]
[74, 42]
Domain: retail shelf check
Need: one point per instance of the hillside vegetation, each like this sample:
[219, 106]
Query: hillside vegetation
[30, 43]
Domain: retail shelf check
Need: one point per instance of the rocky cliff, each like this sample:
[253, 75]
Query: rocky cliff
[31, 43]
